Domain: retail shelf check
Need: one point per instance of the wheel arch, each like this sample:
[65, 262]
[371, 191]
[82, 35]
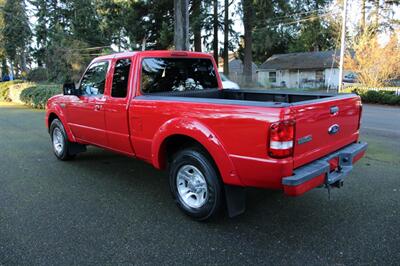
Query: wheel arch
[178, 134]
[57, 113]
[52, 116]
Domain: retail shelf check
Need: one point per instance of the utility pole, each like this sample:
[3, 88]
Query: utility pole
[342, 45]
[181, 26]
[226, 38]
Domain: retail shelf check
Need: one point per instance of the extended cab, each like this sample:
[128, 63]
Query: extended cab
[168, 109]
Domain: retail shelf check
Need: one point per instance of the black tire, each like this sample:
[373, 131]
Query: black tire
[62, 154]
[201, 161]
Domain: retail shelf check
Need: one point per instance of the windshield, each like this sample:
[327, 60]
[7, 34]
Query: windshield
[177, 74]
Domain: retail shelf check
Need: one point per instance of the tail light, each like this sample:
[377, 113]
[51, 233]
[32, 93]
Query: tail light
[281, 139]
[359, 117]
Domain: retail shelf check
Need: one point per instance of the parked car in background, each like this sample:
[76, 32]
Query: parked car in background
[228, 84]
[168, 108]
[5, 78]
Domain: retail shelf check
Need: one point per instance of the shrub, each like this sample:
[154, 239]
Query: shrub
[375, 96]
[39, 74]
[37, 96]
[5, 88]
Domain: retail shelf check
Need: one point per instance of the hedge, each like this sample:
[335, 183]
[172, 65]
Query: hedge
[37, 96]
[375, 96]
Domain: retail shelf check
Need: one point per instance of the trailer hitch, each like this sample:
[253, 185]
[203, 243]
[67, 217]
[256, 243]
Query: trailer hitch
[335, 184]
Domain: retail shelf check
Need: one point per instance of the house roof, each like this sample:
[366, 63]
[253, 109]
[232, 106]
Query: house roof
[307, 60]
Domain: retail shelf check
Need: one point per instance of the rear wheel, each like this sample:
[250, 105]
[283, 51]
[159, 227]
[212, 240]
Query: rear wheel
[60, 141]
[195, 183]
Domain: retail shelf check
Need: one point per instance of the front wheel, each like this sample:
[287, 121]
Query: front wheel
[60, 141]
[195, 184]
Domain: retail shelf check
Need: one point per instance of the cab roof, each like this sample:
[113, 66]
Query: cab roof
[156, 53]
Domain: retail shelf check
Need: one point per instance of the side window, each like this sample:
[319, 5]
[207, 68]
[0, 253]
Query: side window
[120, 79]
[94, 80]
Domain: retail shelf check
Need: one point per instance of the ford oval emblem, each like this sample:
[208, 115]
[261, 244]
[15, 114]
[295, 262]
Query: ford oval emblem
[333, 129]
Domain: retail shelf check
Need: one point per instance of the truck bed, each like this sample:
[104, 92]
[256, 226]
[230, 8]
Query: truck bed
[315, 114]
[249, 95]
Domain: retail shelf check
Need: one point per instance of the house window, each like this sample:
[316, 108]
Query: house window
[272, 77]
[319, 75]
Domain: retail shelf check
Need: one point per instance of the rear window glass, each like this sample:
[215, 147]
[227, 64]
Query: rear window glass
[177, 74]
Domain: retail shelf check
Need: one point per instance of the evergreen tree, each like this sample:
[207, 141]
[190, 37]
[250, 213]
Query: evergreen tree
[313, 33]
[248, 23]
[112, 22]
[150, 24]
[16, 33]
[41, 9]
[3, 56]
[196, 23]
[85, 22]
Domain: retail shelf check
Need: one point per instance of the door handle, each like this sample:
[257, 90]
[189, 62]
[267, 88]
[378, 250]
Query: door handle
[97, 107]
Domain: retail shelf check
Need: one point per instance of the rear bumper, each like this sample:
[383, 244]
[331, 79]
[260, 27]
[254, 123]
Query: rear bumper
[319, 172]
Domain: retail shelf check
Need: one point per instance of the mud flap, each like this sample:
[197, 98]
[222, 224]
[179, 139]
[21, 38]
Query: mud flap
[235, 200]
[75, 148]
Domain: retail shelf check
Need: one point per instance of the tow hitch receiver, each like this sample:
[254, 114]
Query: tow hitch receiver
[329, 170]
[338, 184]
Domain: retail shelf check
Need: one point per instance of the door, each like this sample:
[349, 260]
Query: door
[85, 113]
[116, 107]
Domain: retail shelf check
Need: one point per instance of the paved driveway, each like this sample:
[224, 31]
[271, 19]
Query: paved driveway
[104, 209]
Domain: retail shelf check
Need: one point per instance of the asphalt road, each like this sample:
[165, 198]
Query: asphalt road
[105, 209]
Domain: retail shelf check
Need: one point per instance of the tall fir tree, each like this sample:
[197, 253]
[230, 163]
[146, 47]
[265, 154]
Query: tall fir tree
[16, 34]
[41, 9]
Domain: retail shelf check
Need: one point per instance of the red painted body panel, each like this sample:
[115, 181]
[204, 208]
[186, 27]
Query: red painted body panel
[219, 128]
[236, 136]
[315, 119]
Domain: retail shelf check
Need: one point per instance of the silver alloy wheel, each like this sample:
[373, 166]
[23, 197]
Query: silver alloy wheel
[192, 186]
[58, 141]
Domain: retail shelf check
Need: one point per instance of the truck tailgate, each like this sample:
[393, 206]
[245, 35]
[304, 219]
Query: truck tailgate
[325, 126]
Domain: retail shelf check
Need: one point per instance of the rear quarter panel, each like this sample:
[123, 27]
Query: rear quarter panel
[235, 135]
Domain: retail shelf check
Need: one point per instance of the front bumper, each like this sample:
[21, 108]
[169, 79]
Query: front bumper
[320, 171]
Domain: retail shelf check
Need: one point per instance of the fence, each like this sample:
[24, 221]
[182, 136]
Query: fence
[395, 89]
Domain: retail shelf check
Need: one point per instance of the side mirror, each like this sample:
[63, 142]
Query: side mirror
[70, 89]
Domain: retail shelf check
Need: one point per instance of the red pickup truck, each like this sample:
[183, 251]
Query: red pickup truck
[168, 108]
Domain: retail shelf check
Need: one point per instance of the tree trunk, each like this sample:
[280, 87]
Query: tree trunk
[4, 68]
[226, 38]
[12, 77]
[23, 62]
[144, 41]
[215, 26]
[196, 5]
[181, 31]
[376, 14]
[362, 24]
[248, 40]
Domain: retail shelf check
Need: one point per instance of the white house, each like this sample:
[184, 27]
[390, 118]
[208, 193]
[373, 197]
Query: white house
[301, 70]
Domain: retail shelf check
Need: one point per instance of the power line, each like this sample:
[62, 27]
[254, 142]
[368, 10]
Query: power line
[317, 11]
[282, 21]
[293, 22]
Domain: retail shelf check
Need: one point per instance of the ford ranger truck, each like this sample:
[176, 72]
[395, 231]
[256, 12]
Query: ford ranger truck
[168, 108]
